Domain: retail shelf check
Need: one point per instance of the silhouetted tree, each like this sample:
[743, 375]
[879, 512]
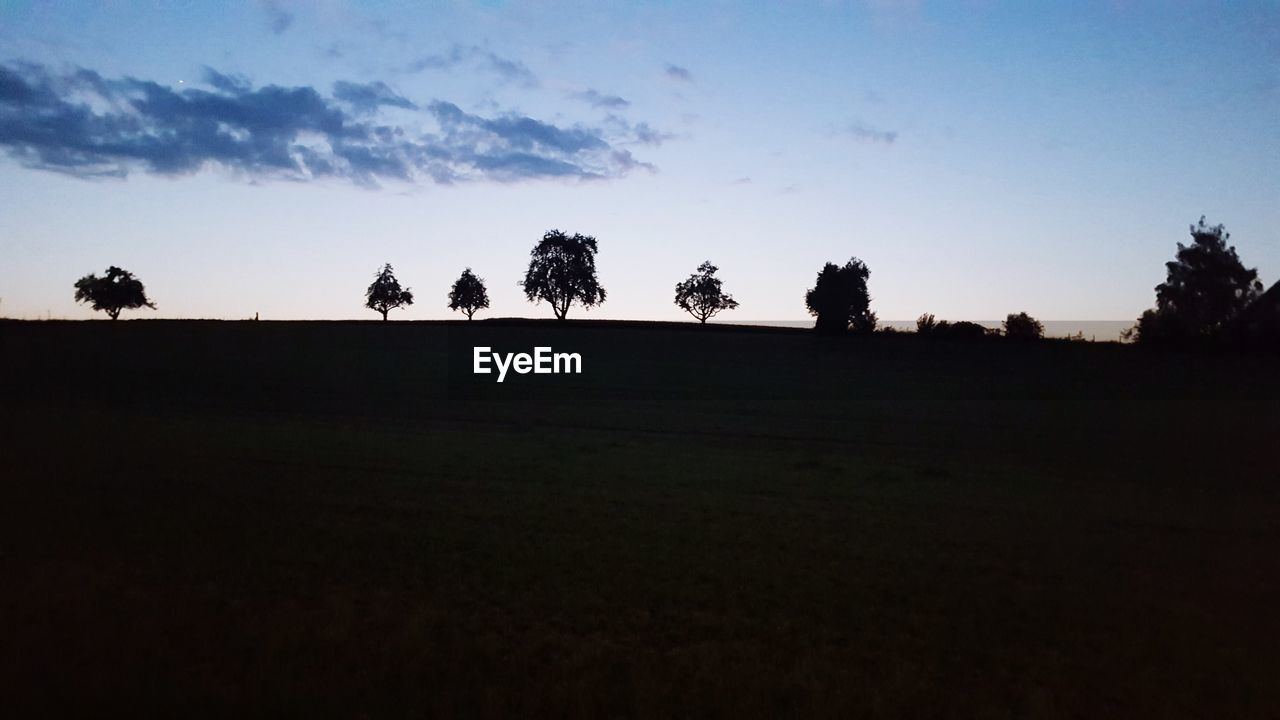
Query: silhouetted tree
[840, 300]
[117, 290]
[702, 295]
[562, 271]
[926, 324]
[468, 294]
[1023, 327]
[385, 293]
[964, 330]
[1259, 324]
[1206, 289]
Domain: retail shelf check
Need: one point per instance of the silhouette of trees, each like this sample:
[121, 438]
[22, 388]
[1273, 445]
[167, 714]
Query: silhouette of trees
[1023, 327]
[840, 300]
[929, 326]
[116, 291]
[385, 293]
[468, 294]
[1206, 289]
[702, 295]
[562, 271]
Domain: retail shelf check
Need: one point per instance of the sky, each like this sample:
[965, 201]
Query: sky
[982, 157]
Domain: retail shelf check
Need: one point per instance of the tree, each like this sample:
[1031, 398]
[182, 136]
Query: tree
[702, 295]
[562, 271]
[468, 294]
[117, 290]
[926, 324]
[1206, 290]
[385, 294]
[840, 300]
[1023, 327]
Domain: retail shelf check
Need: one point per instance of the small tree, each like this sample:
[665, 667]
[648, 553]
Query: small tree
[562, 271]
[385, 293]
[702, 295]
[840, 300]
[1206, 290]
[926, 324]
[1023, 327]
[468, 294]
[117, 290]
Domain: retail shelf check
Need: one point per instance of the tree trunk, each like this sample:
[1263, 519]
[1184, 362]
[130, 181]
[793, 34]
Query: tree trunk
[384, 315]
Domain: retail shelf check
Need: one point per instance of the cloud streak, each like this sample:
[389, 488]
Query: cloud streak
[82, 124]
[598, 100]
[675, 72]
[507, 70]
[864, 133]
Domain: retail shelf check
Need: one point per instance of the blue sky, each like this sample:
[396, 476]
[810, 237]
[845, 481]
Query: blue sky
[982, 157]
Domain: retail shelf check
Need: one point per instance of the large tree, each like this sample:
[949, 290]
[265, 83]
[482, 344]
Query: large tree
[702, 294]
[468, 294]
[840, 299]
[385, 293]
[1206, 290]
[562, 271]
[116, 291]
[1022, 326]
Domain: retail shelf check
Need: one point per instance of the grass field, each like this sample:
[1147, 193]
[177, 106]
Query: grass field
[337, 519]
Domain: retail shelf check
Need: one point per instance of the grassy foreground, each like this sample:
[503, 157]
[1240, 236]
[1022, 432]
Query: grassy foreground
[336, 519]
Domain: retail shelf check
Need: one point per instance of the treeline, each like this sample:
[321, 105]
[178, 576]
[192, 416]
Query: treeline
[1209, 296]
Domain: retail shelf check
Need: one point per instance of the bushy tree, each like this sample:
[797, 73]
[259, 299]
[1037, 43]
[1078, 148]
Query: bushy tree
[929, 326]
[1023, 327]
[562, 271]
[385, 293]
[468, 294]
[702, 294]
[116, 291]
[1207, 288]
[840, 300]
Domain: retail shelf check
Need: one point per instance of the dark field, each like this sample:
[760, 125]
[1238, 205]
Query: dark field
[329, 518]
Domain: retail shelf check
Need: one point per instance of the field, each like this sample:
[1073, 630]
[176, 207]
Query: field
[338, 519]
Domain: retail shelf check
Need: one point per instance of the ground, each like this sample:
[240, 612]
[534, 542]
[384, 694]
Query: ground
[338, 519]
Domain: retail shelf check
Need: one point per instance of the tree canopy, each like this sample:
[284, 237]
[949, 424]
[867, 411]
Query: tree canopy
[1207, 288]
[840, 299]
[468, 294]
[116, 291]
[702, 294]
[562, 271]
[1022, 326]
[385, 293]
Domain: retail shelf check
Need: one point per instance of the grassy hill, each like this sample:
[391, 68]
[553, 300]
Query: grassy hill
[340, 518]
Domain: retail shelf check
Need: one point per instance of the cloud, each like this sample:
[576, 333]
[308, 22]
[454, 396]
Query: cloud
[675, 72]
[861, 132]
[368, 97]
[597, 100]
[506, 69]
[507, 146]
[639, 133]
[278, 19]
[646, 135]
[82, 124]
